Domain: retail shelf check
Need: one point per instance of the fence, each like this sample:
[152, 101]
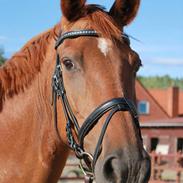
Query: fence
[164, 168]
[167, 168]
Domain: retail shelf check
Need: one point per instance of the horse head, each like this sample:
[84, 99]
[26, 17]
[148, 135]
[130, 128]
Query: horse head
[98, 68]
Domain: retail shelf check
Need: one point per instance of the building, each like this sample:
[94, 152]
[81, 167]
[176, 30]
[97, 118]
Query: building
[161, 118]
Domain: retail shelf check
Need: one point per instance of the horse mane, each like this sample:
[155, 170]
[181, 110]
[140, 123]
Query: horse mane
[98, 19]
[20, 70]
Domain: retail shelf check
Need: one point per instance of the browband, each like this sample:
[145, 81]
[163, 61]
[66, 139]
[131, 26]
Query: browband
[75, 34]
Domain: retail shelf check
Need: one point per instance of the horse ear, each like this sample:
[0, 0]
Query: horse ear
[124, 11]
[73, 9]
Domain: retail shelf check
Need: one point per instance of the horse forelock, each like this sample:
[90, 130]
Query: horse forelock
[20, 70]
[98, 19]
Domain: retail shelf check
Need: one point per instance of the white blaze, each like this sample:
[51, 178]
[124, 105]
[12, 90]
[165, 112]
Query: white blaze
[104, 46]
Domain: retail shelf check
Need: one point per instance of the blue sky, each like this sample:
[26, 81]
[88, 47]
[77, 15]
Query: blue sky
[158, 26]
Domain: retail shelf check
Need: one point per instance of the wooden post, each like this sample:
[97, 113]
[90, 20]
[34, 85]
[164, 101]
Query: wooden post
[153, 165]
[159, 166]
[178, 176]
[178, 173]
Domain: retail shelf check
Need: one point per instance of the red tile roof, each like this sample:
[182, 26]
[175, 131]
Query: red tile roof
[180, 102]
[161, 96]
[164, 103]
[156, 110]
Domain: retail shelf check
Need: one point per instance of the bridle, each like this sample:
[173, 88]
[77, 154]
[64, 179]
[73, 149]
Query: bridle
[87, 161]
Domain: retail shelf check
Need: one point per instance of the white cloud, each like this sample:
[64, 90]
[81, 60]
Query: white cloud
[160, 70]
[143, 48]
[12, 39]
[169, 61]
[3, 38]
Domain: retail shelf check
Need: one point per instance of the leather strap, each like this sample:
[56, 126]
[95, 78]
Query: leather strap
[75, 34]
[93, 118]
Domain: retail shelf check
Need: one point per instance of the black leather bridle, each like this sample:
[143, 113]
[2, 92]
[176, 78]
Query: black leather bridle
[112, 106]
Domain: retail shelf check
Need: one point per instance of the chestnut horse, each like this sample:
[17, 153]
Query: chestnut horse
[95, 62]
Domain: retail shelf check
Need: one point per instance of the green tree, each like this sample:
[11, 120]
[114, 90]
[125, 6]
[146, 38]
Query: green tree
[161, 81]
[2, 58]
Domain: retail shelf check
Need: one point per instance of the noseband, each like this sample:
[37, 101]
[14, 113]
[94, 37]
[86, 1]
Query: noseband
[87, 161]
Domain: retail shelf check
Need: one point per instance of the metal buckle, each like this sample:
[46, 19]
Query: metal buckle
[86, 170]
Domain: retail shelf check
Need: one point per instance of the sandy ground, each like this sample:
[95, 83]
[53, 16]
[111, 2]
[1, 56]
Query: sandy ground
[72, 171]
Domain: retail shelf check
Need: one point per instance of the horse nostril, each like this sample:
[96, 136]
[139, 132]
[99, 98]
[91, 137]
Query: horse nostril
[108, 169]
[113, 171]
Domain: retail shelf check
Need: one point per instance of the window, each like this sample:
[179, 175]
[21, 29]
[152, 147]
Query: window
[159, 145]
[154, 143]
[180, 144]
[143, 107]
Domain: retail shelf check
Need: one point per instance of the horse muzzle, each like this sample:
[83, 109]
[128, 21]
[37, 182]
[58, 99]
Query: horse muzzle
[123, 167]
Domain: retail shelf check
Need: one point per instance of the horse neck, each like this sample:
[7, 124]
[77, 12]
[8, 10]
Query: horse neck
[44, 88]
[31, 121]
[32, 95]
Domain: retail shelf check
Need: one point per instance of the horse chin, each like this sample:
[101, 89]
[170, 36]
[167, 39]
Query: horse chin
[114, 169]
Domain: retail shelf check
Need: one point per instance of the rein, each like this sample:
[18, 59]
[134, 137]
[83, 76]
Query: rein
[87, 161]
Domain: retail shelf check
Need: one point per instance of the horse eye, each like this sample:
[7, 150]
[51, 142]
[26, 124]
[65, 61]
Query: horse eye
[69, 65]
